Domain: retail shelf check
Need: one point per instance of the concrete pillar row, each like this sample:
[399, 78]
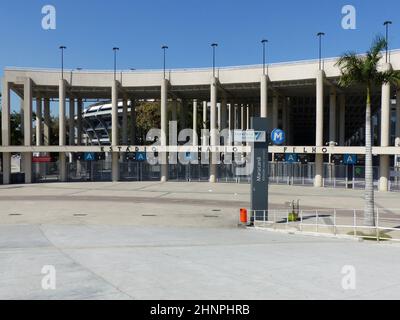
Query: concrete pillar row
[194, 123]
[79, 121]
[213, 126]
[397, 130]
[332, 115]
[242, 117]
[62, 129]
[183, 114]
[5, 131]
[46, 122]
[319, 127]
[236, 114]
[133, 122]
[284, 117]
[289, 129]
[125, 122]
[164, 127]
[275, 111]
[224, 119]
[231, 121]
[39, 107]
[28, 128]
[204, 137]
[342, 119]
[174, 110]
[264, 97]
[247, 108]
[114, 130]
[71, 122]
[385, 134]
[219, 123]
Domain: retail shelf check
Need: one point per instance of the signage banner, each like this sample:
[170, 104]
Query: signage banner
[259, 178]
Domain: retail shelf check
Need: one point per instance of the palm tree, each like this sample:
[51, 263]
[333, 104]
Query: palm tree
[364, 70]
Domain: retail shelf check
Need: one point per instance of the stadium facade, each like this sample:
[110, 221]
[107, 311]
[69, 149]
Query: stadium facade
[322, 121]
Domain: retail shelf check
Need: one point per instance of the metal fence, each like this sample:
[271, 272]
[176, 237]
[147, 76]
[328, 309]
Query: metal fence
[348, 222]
[334, 176]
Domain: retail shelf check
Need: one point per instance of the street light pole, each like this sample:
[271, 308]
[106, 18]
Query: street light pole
[264, 42]
[164, 48]
[386, 24]
[62, 48]
[214, 45]
[319, 35]
[115, 49]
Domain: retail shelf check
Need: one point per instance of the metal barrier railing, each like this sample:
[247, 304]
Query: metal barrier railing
[334, 176]
[349, 222]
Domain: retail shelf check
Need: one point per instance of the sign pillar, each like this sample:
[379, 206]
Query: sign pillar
[259, 178]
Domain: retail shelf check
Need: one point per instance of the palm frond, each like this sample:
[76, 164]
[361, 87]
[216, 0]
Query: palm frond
[390, 76]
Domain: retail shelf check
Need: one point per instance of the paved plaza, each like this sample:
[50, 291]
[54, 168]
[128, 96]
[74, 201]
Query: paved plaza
[180, 241]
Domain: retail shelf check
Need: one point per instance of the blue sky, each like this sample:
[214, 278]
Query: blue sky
[90, 28]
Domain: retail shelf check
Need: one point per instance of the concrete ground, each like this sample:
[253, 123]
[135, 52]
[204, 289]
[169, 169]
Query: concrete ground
[180, 241]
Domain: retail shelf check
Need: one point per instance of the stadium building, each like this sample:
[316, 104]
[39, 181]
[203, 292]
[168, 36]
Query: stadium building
[323, 123]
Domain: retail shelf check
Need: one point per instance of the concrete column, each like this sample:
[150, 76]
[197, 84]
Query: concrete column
[133, 122]
[39, 122]
[183, 114]
[5, 131]
[164, 128]
[231, 121]
[204, 137]
[247, 109]
[231, 117]
[224, 118]
[332, 115]
[264, 96]
[289, 122]
[28, 129]
[46, 122]
[195, 137]
[79, 121]
[213, 127]
[114, 131]
[275, 111]
[284, 117]
[319, 134]
[174, 107]
[342, 120]
[71, 122]
[237, 116]
[62, 130]
[219, 123]
[397, 131]
[125, 122]
[384, 162]
[242, 117]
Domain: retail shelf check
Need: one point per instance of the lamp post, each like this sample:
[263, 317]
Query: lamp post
[62, 48]
[164, 48]
[214, 45]
[115, 49]
[319, 35]
[386, 24]
[264, 42]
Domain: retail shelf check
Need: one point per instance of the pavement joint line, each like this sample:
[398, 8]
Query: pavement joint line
[162, 246]
[62, 252]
